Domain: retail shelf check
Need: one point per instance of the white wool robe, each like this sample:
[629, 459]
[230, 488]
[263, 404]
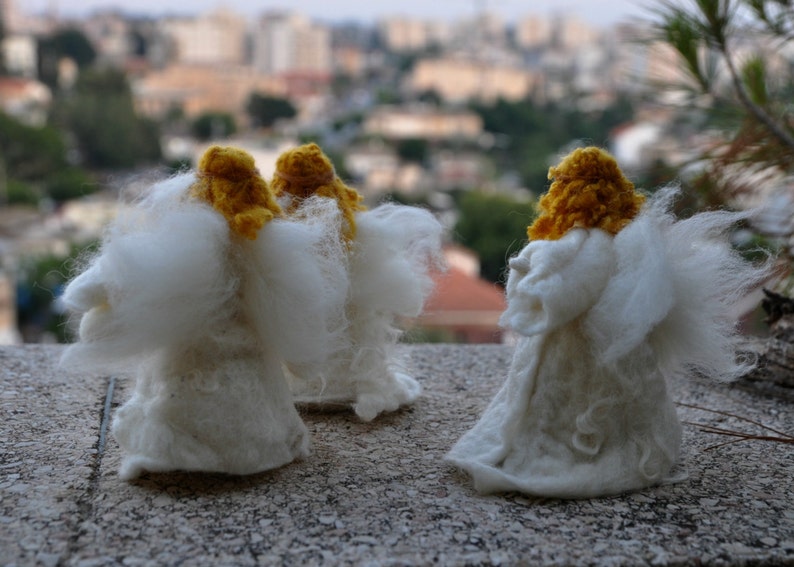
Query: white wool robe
[604, 320]
[203, 321]
[389, 278]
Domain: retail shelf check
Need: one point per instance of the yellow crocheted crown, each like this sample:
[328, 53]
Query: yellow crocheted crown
[305, 171]
[229, 181]
[588, 191]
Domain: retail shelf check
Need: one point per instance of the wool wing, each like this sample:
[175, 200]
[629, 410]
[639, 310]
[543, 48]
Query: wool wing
[640, 292]
[160, 279]
[709, 278]
[676, 288]
[296, 283]
[395, 248]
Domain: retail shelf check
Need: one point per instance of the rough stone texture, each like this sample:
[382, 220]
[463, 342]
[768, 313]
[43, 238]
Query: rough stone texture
[378, 493]
[48, 455]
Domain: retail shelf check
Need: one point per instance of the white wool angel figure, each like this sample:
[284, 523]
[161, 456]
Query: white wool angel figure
[612, 296]
[388, 252]
[201, 291]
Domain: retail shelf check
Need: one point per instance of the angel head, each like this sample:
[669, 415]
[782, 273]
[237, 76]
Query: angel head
[588, 191]
[306, 171]
[228, 180]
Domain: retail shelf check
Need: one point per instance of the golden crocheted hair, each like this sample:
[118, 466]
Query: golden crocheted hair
[588, 191]
[305, 171]
[229, 181]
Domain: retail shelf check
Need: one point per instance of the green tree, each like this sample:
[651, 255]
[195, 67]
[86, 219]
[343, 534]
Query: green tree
[40, 281]
[495, 227]
[101, 116]
[2, 36]
[265, 110]
[530, 134]
[30, 153]
[431, 97]
[213, 126]
[71, 43]
[33, 165]
[20, 193]
[413, 150]
[69, 183]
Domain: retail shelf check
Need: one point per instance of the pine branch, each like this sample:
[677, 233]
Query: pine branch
[782, 135]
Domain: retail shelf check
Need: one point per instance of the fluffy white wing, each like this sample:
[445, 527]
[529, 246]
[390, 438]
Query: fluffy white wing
[394, 250]
[296, 283]
[160, 279]
[709, 278]
[640, 292]
[676, 288]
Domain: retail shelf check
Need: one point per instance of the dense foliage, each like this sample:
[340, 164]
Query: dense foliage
[265, 110]
[34, 165]
[736, 67]
[495, 227]
[40, 280]
[414, 150]
[66, 43]
[213, 126]
[101, 116]
[529, 135]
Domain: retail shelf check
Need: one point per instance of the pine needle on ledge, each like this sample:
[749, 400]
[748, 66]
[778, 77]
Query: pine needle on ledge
[779, 437]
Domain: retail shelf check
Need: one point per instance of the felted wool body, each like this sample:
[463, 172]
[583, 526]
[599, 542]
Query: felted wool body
[203, 320]
[605, 320]
[220, 407]
[389, 264]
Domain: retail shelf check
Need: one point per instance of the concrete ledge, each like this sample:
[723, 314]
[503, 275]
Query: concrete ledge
[378, 493]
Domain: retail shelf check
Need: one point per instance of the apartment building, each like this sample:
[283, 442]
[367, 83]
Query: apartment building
[215, 38]
[27, 100]
[20, 55]
[405, 34]
[534, 32]
[8, 15]
[407, 122]
[459, 79]
[201, 88]
[290, 43]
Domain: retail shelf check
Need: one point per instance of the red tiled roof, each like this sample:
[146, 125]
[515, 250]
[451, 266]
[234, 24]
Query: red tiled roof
[15, 88]
[456, 291]
[14, 85]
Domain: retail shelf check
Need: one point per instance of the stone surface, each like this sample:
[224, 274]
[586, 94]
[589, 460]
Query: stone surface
[378, 493]
[48, 455]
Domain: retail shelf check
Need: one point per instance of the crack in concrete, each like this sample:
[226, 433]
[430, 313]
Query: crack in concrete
[103, 425]
[86, 503]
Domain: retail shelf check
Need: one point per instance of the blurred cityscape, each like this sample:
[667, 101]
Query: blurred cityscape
[463, 117]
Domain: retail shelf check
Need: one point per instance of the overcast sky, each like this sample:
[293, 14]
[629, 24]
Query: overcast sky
[599, 12]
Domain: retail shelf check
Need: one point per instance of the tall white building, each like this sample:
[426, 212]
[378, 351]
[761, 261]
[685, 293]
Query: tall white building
[20, 54]
[287, 42]
[574, 33]
[7, 15]
[216, 38]
[534, 31]
[403, 34]
[110, 34]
